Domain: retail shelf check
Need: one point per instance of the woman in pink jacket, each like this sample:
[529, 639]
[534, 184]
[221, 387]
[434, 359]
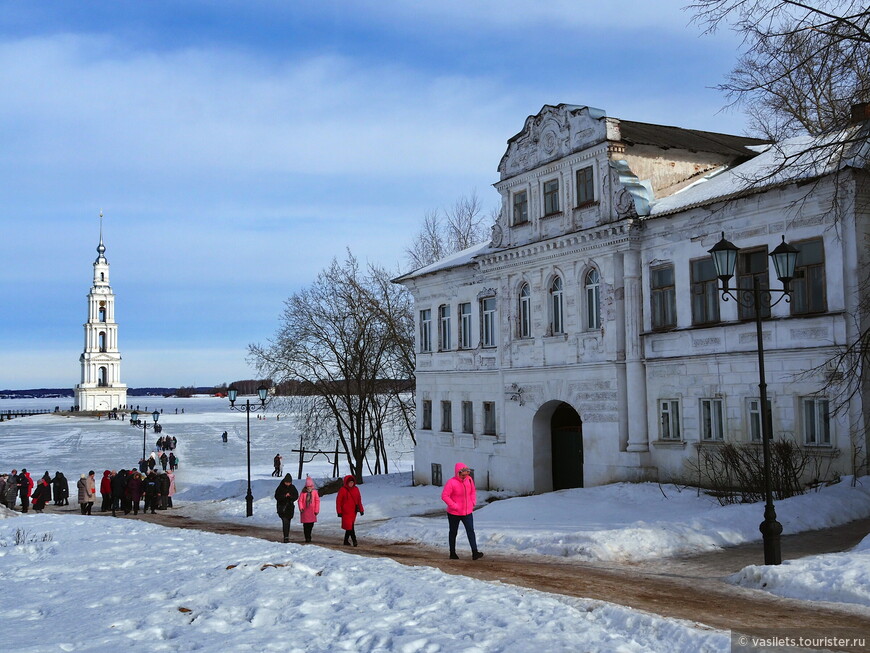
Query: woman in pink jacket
[460, 495]
[309, 506]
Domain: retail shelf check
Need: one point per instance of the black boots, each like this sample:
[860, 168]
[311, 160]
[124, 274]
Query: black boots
[453, 555]
[477, 555]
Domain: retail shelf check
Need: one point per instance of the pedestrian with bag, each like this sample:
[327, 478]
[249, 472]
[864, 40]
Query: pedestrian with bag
[286, 496]
[348, 503]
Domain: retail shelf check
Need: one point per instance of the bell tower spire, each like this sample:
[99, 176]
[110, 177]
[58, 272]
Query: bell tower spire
[100, 387]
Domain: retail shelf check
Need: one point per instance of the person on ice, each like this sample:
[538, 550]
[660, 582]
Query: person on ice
[460, 495]
[348, 503]
[309, 506]
[286, 496]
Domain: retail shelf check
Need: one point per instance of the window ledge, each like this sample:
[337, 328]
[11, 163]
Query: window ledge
[669, 444]
[551, 215]
[586, 205]
[825, 450]
[525, 223]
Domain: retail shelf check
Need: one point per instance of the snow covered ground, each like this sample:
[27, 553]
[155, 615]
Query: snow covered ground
[130, 579]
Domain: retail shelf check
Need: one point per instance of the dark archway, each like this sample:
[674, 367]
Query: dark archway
[567, 441]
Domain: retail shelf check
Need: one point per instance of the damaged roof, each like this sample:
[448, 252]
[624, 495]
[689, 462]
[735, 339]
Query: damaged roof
[693, 140]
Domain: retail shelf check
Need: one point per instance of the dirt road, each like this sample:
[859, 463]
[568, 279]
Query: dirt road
[688, 588]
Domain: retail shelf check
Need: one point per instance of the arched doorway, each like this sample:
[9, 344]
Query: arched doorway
[566, 432]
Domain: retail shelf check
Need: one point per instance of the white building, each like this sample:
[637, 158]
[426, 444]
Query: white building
[100, 387]
[587, 342]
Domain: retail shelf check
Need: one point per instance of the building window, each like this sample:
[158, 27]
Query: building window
[808, 287]
[102, 377]
[556, 307]
[444, 327]
[436, 474]
[669, 419]
[488, 418]
[593, 299]
[705, 291]
[752, 265]
[525, 312]
[753, 413]
[664, 299]
[446, 416]
[426, 420]
[521, 207]
[467, 417]
[465, 325]
[102, 314]
[102, 341]
[816, 421]
[426, 330]
[487, 322]
[712, 422]
[585, 188]
[551, 197]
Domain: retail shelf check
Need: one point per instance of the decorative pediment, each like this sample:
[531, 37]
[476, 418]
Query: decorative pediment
[553, 133]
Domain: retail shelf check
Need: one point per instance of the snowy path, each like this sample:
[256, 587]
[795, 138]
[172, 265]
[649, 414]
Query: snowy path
[687, 588]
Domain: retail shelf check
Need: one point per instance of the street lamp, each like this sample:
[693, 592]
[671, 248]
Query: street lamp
[784, 258]
[135, 416]
[232, 393]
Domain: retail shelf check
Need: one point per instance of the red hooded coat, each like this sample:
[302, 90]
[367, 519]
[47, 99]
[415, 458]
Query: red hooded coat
[348, 503]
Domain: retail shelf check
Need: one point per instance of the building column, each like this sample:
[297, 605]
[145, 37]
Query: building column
[638, 432]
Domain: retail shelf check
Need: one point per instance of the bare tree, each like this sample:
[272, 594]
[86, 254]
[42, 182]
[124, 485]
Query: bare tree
[333, 345]
[803, 65]
[445, 232]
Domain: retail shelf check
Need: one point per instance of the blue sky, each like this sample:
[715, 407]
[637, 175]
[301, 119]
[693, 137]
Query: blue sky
[236, 147]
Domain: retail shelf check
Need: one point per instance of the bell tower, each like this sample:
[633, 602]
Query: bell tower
[100, 387]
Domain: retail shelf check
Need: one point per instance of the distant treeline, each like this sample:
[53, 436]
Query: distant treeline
[245, 387]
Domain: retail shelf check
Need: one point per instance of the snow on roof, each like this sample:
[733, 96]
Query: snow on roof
[799, 158]
[463, 257]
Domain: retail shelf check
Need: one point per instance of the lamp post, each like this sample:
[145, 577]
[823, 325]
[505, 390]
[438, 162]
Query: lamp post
[135, 416]
[784, 258]
[232, 393]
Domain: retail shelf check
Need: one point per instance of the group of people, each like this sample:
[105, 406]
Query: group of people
[124, 489]
[150, 463]
[21, 487]
[348, 504]
[166, 443]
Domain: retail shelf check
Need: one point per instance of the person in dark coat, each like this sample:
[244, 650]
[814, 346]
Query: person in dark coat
[152, 491]
[285, 503]
[172, 462]
[119, 483]
[152, 463]
[61, 489]
[134, 491]
[163, 483]
[143, 466]
[41, 495]
[164, 459]
[12, 489]
[348, 503]
[47, 478]
[25, 487]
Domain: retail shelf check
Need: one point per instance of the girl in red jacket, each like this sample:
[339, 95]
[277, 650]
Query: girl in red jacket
[347, 504]
[460, 495]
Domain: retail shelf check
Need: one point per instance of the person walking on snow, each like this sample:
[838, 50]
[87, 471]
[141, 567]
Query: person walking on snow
[286, 496]
[460, 495]
[348, 503]
[277, 462]
[309, 507]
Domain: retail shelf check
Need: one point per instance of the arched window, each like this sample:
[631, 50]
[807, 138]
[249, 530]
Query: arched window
[102, 276]
[102, 341]
[593, 311]
[525, 312]
[102, 380]
[556, 314]
[102, 316]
